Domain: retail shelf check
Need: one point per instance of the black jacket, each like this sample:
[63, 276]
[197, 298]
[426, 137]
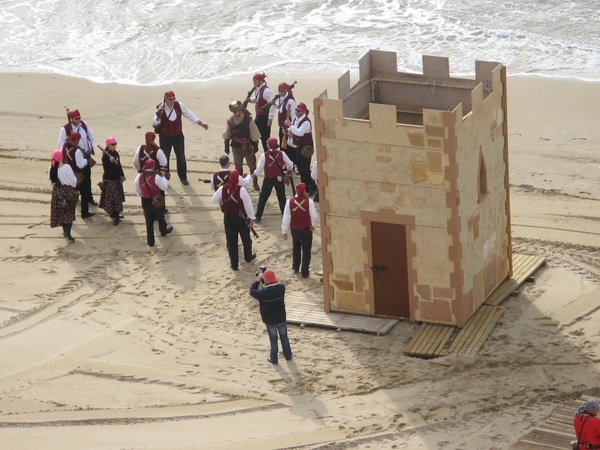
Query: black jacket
[272, 306]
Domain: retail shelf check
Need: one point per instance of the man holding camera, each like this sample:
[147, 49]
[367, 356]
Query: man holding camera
[272, 311]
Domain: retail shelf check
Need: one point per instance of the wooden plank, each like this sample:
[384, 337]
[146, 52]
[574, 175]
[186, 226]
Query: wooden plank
[484, 331]
[469, 328]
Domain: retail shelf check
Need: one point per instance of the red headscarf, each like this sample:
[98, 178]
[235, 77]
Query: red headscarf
[301, 189]
[169, 94]
[303, 107]
[150, 136]
[149, 164]
[259, 76]
[74, 113]
[74, 137]
[234, 178]
[272, 143]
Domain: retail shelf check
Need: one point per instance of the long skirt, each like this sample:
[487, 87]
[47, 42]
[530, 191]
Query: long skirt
[60, 216]
[112, 197]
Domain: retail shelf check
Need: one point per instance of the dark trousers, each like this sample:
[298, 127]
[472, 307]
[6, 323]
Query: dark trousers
[304, 167]
[235, 225]
[301, 247]
[151, 214]
[265, 130]
[85, 191]
[176, 143]
[265, 193]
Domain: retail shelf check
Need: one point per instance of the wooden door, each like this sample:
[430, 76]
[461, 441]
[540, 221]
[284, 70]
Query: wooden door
[390, 269]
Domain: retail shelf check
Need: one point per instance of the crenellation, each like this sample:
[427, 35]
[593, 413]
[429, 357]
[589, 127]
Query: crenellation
[418, 141]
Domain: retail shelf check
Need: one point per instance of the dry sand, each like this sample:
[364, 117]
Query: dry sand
[108, 344]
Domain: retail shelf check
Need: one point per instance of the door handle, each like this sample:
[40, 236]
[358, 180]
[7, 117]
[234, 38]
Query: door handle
[378, 270]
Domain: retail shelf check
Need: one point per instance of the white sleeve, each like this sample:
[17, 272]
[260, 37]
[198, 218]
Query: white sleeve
[136, 185]
[286, 219]
[260, 166]
[314, 215]
[217, 196]
[162, 158]
[80, 160]
[289, 165]
[243, 181]
[136, 159]
[314, 174]
[161, 182]
[188, 114]
[62, 137]
[247, 203]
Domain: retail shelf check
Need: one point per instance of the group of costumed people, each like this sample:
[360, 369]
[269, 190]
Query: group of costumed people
[70, 170]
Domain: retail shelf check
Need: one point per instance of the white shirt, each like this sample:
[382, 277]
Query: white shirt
[289, 165]
[172, 114]
[290, 106]
[314, 173]
[161, 182]
[267, 94]
[65, 175]
[242, 181]
[287, 215]
[87, 139]
[298, 131]
[246, 200]
[160, 155]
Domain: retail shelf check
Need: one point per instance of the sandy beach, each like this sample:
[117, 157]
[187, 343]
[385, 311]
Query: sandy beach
[106, 343]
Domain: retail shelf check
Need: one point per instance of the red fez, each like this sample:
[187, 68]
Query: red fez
[283, 85]
[74, 113]
[259, 76]
[272, 143]
[75, 136]
[302, 106]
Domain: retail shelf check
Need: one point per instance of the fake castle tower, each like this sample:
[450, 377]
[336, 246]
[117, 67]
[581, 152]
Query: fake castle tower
[414, 189]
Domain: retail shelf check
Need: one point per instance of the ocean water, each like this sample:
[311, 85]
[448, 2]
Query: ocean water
[155, 42]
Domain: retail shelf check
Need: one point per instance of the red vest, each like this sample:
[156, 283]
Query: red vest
[260, 101]
[148, 185]
[151, 154]
[306, 139]
[168, 127]
[69, 128]
[220, 178]
[232, 203]
[300, 212]
[273, 163]
[69, 156]
[282, 115]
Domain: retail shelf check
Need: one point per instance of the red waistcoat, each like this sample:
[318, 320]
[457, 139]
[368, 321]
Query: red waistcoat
[168, 127]
[305, 139]
[149, 187]
[300, 212]
[232, 203]
[220, 178]
[69, 157]
[273, 163]
[151, 154]
[282, 115]
[260, 101]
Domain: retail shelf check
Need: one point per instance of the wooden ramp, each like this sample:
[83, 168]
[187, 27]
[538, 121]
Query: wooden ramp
[305, 308]
[557, 432]
[432, 340]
